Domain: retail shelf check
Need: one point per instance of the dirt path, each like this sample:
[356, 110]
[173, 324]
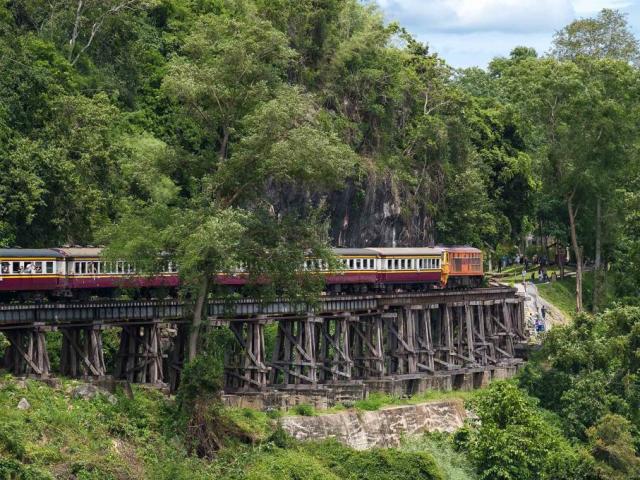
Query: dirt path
[533, 307]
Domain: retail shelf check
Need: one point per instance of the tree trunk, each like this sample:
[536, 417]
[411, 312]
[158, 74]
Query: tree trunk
[197, 318]
[597, 277]
[576, 252]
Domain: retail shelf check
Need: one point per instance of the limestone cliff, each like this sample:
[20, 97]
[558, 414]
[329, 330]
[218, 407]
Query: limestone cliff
[381, 428]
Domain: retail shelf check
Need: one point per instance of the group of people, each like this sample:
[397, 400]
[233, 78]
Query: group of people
[27, 268]
[537, 321]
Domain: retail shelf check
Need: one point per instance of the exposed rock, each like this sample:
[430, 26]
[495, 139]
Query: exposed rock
[87, 391]
[382, 428]
[24, 404]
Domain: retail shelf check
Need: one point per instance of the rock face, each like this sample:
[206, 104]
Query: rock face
[377, 211]
[24, 404]
[382, 428]
[87, 392]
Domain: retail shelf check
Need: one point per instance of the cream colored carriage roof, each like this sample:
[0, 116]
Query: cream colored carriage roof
[407, 251]
[78, 252]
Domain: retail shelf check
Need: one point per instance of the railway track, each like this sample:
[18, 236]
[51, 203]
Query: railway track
[110, 312]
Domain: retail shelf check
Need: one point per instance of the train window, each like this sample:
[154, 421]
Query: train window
[402, 264]
[4, 268]
[17, 267]
[37, 267]
[351, 264]
[437, 263]
[358, 264]
[372, 264]
[119, 267]
[49, 267]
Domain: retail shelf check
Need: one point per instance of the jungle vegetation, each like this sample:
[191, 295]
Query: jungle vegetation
[217, 131]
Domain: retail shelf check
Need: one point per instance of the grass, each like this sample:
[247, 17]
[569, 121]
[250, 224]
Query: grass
[378, 400]
[63, 437]
[561, 294]
[142, 438]
[453, 464]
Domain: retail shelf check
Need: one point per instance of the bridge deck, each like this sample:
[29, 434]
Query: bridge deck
[109, 313]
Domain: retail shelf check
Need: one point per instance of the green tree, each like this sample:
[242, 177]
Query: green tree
[607, 36]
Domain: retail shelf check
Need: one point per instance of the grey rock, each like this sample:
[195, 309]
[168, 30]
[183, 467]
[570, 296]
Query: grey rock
[24, 404]
[85, 391]
[382, 428]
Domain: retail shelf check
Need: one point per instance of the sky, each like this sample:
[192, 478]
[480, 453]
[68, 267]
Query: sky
[472, 32]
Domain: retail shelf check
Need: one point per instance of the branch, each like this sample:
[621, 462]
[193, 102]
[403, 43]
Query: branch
[97, 25]
[74, 34]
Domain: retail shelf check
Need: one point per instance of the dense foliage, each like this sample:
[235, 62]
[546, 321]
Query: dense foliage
[226, 132]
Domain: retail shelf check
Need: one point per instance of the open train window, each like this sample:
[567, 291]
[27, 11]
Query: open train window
[4, 268]
[17, 267]
[37, 267]
[358, 264]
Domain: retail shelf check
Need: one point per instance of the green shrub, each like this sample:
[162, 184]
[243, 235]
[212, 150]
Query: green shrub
[304, 409]
[375, 401]
[374, 464]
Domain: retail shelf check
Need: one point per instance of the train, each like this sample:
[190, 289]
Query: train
[82, 272]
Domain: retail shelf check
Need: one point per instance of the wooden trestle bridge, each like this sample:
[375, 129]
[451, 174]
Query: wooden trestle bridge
[340, 339]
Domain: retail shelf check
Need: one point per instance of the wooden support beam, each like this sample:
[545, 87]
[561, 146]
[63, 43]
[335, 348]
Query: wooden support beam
[27, 352]
[140, 354]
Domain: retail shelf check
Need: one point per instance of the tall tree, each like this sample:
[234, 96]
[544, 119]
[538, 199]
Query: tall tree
[252, 133]
[607, 36]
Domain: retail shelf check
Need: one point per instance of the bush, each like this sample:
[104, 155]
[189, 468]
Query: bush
[304, 409]
[374, 464]
[514, 440]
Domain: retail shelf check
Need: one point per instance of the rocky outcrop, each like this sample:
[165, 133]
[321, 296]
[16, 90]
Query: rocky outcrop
[381, 428]
[374, 211]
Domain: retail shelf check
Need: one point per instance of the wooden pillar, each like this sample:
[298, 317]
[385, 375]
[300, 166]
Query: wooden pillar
[27, 352]
[471, 349]
[368, 349]
[246, 368]
[140, 354]
[176, 357]
[401, 338]
[333, 349]
[294, 359]
[424, 339]
[82, 353]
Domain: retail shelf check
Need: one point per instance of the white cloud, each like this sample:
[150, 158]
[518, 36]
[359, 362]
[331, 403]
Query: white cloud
[472, 32]
[589, 7]
[479, 48]
[480, 15]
